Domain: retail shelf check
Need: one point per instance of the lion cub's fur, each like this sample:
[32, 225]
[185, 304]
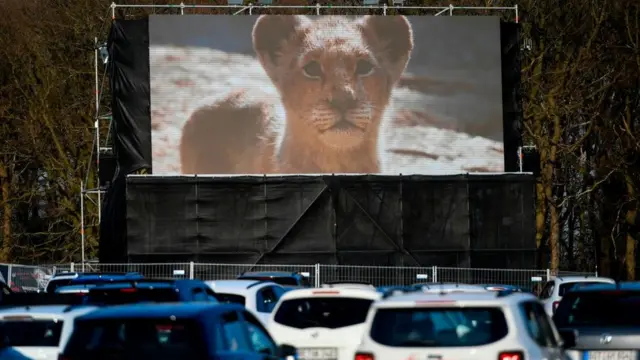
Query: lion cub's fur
[334, 78]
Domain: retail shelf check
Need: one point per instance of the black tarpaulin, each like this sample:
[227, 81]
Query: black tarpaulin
[511, 97]
[463, 220]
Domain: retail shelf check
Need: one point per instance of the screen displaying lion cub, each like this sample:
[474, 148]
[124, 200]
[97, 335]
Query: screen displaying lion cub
[334, 77]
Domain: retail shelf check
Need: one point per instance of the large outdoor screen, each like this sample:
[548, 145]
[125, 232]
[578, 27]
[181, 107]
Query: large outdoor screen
[285, 94]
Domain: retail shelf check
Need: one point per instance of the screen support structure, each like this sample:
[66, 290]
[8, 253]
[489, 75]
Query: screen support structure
[101, 145]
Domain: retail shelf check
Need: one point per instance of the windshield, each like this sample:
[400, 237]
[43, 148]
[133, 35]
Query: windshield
[136, 339]
[325, 312]
[438, 327]
[607, 308]
[230, 298]
[131, 295]
[566, 287]
[40, 333]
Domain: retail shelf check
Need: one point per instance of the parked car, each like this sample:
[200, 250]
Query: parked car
[290, 279]
[172, 331]
[459, 325]
[556, 288]
[259, 297]
[151, 290]
[75, 289]
[451, 288]
[322, 323]
[37, 332]
[601, 321]
[79, 278]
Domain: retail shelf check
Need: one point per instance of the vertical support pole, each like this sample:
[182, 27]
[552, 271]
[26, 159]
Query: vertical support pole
[97, 126]
[520, 158]
[113, 11]
[9, 277]
[181, 8]
[517, 15]
[317, 8]
[434, 274]
[191, 270]
[250, 9]
[317, 276]
[384, 9]
[82, 222]
[450, 10]
[548, 274]
[72, 267]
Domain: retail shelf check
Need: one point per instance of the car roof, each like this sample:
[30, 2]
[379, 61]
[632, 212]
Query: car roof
[587, 278]
[73, 275]
[53, 311]
[73, 288]
[454, 299]
[237, 286]
[153, 311]
[331, 292]
[621, 286]
[271, 274]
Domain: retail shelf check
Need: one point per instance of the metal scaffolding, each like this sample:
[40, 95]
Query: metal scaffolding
[101, 145]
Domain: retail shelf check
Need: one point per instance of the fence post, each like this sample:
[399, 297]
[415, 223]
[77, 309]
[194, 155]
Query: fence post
[548, 274]
[72, 267]
[317, 276]
[9, 278]
[191, 270]
[434, 274]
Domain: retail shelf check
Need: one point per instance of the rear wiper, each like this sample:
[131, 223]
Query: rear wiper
[418, 343]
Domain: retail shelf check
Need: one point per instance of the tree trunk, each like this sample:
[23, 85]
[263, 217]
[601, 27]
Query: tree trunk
[7, 241]
[554, 235]
[630, 219]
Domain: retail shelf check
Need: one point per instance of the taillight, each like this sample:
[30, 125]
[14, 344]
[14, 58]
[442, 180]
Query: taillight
[511, 355]
[555, 306]
[128, 290]
[362, 356]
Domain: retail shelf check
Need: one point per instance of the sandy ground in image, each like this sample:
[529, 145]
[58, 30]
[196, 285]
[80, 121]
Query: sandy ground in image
[182, 78]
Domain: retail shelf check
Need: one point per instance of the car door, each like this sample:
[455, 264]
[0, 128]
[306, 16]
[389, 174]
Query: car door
[542, 331]
[234, 342]
[259, 338]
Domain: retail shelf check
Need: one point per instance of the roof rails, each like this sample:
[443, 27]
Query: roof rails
[260, 282]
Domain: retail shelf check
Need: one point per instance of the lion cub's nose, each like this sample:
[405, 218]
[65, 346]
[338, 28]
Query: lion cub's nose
[343, 101]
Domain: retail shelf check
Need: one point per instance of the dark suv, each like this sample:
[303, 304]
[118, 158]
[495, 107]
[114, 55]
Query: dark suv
[601, 321]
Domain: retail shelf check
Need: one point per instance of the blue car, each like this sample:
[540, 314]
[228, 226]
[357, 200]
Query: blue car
[151, 290]
[79, 278]
[172, 331]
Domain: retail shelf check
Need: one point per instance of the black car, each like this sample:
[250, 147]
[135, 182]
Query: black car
[601, 321]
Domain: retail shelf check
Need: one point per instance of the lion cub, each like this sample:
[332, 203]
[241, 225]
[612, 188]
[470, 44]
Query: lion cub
[334, 78]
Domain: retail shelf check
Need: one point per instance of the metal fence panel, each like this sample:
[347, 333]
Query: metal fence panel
[175, 270]
[231, 271]
[525, 278]
[376, 275]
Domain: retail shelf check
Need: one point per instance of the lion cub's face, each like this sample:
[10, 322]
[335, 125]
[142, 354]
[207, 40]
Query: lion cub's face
[334, 74]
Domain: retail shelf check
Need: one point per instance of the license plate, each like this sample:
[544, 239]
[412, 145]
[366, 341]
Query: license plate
[317, 353]
[612, 355]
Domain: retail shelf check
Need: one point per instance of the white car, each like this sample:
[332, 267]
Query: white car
[37, 332]
[461, 326]
[322, 323]
[348, 285]
[554, 290]
[259, 297]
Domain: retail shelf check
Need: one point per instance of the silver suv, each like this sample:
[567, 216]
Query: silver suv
[555, 289]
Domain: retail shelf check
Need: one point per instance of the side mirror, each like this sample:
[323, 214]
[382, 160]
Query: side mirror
[568, 338]
[287, 351]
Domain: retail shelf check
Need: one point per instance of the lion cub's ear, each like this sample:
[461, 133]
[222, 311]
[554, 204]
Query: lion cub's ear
[391, 37]
[271, 33]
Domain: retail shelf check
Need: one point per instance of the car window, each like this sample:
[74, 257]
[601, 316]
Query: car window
[211, 296]
[566, 287]
[143, 338]
[547, 291]
[259, 337]
[538, 325]
[198, 294]
[31, 332]
[231, 298]
[266, 299]
[322, 312]
[598, 309]
[438, 327]
[279, 291]
[234, 332]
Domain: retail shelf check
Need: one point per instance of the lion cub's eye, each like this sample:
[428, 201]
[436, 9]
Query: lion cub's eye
[313, 69]
[364, 68]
